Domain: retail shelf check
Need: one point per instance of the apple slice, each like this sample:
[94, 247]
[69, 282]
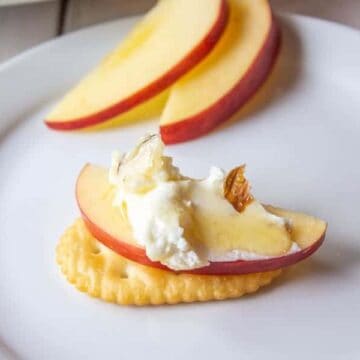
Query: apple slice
[216, 88]
[94, 196]
[172, 38]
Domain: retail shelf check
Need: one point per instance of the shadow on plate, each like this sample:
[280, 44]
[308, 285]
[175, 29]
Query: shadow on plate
[283, 78]
[335, 260]
[6, 352]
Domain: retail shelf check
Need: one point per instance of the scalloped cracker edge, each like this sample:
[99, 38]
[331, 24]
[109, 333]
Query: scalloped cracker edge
[102, 273]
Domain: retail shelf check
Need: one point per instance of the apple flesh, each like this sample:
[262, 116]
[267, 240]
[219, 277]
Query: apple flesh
[172, 38]
[237, 66]
[94, 197]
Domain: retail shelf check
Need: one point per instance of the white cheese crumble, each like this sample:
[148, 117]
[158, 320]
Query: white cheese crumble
[158, 203]
[153, 193]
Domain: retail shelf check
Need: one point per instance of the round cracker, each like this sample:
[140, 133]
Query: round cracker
[102, 273]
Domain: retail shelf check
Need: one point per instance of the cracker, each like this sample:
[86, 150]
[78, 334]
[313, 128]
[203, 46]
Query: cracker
[102, 273]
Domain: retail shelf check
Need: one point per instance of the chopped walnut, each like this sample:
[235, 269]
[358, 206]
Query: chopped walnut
[237, 189]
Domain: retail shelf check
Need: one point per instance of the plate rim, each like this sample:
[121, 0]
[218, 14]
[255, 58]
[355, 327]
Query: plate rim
[28, 52]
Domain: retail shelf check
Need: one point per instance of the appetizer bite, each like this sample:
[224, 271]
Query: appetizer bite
[150, 235]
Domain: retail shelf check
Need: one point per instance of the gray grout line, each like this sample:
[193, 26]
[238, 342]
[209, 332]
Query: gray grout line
[63, 8]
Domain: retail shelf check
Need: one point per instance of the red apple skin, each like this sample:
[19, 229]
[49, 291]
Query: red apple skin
[205, 121]
[191, 59]
[238, 267]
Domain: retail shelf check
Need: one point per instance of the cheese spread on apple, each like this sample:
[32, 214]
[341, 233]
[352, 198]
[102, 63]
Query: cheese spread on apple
[184, 223]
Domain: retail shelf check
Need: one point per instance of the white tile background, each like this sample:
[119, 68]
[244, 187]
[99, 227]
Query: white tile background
[27, 24]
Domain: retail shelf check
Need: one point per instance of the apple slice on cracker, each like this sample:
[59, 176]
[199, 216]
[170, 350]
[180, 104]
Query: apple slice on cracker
[103, 220]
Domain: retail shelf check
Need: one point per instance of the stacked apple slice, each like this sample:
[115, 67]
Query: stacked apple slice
[224, 49]
[170, 40]
[221, 84]
[94, 196]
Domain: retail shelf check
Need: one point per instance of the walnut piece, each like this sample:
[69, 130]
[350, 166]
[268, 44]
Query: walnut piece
[237, 189]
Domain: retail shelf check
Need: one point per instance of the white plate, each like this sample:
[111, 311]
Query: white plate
[300, 139]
